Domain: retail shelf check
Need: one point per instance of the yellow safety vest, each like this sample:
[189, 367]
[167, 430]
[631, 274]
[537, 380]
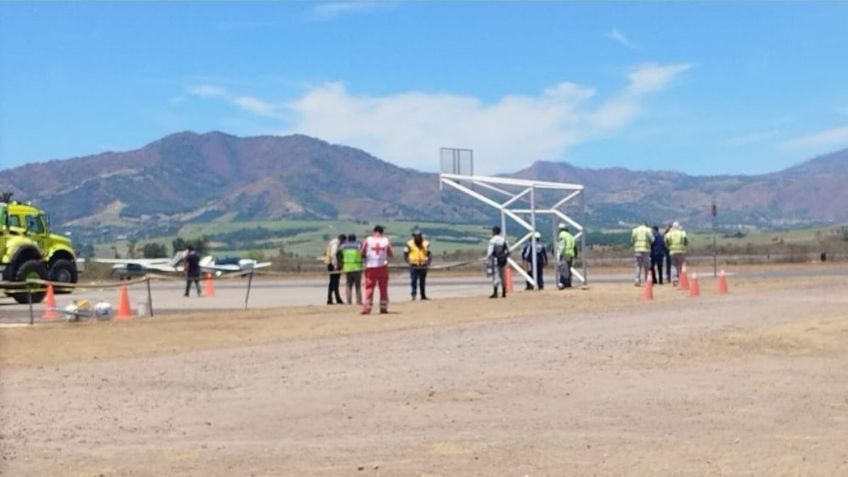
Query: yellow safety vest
[676, 242]
[568, 247]
[641, 238]
[416, 255]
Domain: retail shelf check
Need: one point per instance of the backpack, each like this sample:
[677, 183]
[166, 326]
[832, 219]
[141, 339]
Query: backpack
[501, 252]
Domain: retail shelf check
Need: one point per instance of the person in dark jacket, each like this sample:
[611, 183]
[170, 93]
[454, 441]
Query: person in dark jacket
[541, 261]
[658, 253]
[192, 269]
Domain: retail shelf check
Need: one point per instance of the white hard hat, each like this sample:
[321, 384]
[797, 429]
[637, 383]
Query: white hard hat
[537, 235]
[562, 225]
[675, 225]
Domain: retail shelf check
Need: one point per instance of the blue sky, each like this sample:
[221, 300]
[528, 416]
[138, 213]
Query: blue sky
[704, 88]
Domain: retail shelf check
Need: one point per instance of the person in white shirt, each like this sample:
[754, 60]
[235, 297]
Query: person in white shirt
[376, 250]
[496, 261]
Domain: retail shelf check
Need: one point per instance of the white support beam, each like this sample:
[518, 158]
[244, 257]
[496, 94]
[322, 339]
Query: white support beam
[517, 197]
[502, 186]
[486, 200]
[566, 199]
[568, 219]
[514, 182]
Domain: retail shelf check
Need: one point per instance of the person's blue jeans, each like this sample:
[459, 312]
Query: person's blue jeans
[418, 276]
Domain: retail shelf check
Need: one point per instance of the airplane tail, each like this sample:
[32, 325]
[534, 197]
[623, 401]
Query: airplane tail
[178, 257]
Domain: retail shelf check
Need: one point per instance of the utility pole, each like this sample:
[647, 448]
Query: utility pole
[714, 213]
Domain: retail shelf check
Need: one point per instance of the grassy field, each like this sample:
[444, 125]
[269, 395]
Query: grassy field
[307, 238]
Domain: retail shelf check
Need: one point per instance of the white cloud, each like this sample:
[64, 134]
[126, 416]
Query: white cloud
[207, 90]
[255, 106]
[329, 10]
[248, 104]
[821, 141]
[408, 128]
[652, 77]
[619, 37]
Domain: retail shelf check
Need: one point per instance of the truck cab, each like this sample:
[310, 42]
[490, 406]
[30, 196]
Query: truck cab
[20, 259]
[57, 250]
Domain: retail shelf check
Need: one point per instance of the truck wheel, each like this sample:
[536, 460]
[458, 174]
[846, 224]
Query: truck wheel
[63, 271]
[30, 269]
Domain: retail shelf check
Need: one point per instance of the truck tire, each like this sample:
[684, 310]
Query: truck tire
[63, 271]
[30, 269]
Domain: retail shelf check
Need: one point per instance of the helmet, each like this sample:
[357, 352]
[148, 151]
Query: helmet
[562, 226]
[537, 235]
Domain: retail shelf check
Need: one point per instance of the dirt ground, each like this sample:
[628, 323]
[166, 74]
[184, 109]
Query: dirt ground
[584, 382]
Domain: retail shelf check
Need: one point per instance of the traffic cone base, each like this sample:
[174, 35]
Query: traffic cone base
[722, 283]
[124, 310]
[50, 312]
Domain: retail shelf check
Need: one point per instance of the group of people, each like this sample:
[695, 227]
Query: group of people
[497, 257]
[654, 248]
[345, 255]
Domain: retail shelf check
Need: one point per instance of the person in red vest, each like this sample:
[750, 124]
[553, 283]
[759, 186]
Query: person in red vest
[376, 252]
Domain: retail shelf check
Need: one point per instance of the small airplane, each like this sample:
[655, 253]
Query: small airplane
[127, 268]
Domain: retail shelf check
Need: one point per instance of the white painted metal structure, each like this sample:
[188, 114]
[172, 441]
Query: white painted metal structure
[515, 191]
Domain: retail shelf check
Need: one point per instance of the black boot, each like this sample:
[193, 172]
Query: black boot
[503, 291]
[494, 293]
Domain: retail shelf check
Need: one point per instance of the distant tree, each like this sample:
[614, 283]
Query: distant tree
[256, 255]
[178, 245]
[201, 245]
[154, 250]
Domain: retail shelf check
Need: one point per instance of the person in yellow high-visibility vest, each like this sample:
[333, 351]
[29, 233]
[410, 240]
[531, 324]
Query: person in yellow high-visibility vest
[417, 255]
[566, 251]
[677, 243]
[350, 258]
[642, 238]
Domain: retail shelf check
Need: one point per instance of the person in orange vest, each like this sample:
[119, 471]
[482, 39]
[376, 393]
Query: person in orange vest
[376, 252]
[417, 255]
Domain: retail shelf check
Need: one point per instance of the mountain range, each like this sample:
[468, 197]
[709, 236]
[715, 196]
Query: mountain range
[215, 176]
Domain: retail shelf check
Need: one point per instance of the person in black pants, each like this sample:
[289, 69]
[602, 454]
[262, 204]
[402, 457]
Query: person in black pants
[658, 254]
[192, 269]
[331, 258]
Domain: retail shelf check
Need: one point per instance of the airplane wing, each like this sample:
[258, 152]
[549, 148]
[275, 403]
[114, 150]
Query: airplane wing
[243, 265]
[144, 262]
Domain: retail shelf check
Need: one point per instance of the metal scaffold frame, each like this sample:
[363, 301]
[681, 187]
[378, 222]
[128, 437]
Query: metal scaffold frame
[516, 190]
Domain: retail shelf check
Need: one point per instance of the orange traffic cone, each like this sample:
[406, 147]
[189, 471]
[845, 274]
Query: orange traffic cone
[694, 288]
[124, 310]
[208, 286]
[508, 279]
[684, 278]
[722, 283]
[648, 292]
[50, 312]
